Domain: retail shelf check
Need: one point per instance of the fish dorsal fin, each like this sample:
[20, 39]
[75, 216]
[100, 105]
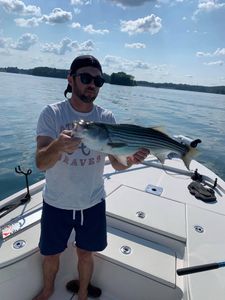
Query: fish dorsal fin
[159, 128]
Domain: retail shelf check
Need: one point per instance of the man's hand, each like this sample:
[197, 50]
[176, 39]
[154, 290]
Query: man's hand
[138, 157]
[66, 142]
[49, 150]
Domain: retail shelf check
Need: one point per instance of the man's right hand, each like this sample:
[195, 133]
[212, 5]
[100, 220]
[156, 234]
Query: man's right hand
[49, 150]
[66, 142]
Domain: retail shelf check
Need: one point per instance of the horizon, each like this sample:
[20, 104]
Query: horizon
[176, 41]
[151, 82]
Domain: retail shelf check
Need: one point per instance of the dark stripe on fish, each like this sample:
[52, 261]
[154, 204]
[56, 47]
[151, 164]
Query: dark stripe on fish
[139, 136]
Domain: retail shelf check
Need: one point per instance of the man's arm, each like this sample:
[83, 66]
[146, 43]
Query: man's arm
[49, 150]
[137, 158]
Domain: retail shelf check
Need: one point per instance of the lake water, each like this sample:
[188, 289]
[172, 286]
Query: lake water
[22, 97]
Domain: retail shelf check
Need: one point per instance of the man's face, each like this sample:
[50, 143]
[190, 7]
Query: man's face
[84, 83]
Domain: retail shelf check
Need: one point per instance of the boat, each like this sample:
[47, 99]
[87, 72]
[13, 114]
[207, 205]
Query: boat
[165, 236]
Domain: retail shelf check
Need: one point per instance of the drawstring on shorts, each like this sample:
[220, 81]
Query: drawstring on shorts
[81, 216]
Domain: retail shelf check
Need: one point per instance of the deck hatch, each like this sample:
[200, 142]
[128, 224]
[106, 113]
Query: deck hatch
[162, 216]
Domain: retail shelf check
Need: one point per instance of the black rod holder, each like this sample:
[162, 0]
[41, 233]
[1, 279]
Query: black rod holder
[10, 207]
[18, 170]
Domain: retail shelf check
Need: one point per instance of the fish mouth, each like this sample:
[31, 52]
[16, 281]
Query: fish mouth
[80, 126]
[77, 128]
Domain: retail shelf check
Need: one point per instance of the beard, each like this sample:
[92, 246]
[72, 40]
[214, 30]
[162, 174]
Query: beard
[87, 96]
[87, 99]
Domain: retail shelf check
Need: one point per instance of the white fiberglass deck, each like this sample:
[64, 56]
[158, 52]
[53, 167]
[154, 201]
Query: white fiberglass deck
[155, 228]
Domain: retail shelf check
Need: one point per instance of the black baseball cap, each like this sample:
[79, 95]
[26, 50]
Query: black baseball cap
[80, 62]
[84, 61]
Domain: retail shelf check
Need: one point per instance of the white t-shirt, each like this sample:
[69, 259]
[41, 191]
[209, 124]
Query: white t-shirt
[75, 181]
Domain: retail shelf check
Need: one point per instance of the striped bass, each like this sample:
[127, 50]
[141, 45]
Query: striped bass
[126, 139]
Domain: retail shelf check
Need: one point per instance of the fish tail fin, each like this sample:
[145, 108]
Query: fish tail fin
[188, 156]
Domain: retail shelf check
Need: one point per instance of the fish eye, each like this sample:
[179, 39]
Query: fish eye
[86, 125]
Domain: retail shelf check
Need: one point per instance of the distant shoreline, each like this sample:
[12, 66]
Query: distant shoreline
[61, 73]
[185, 87]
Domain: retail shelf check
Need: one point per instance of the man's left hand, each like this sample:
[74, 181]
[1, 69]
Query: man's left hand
[138, 157]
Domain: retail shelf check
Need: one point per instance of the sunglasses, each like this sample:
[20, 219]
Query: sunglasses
[87, 78]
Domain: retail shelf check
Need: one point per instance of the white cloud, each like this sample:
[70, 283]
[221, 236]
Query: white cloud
[138, 68]
[76, 11]
[57, 16]
[214, 63]
[120, 63]
[4, 42]
[208, 6]
[18, 7]
[135, 45]
[86, 46]
[25, 42]
[141, 65]
[67, 45]
[202, 54]
[80, 2]
[33, 22]
[132, 3]
[75, 25]
[90, 29]
[5, 52]
[151, 24]
[217, 52]
[125, 3]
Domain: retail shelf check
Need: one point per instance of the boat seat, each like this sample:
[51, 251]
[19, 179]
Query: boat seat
[127, 251]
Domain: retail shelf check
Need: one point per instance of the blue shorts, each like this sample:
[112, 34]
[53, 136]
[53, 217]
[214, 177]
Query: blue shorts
[57, 225]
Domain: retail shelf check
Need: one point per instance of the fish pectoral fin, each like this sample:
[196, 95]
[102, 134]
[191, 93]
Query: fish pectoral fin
[116, 145]
[122, 159]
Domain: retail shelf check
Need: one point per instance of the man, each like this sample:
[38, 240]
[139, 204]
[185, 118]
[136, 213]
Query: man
[74, 191]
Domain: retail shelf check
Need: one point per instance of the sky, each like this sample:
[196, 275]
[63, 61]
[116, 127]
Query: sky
[178, 41]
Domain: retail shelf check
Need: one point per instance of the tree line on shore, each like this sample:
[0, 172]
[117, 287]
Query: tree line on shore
[119, 78]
